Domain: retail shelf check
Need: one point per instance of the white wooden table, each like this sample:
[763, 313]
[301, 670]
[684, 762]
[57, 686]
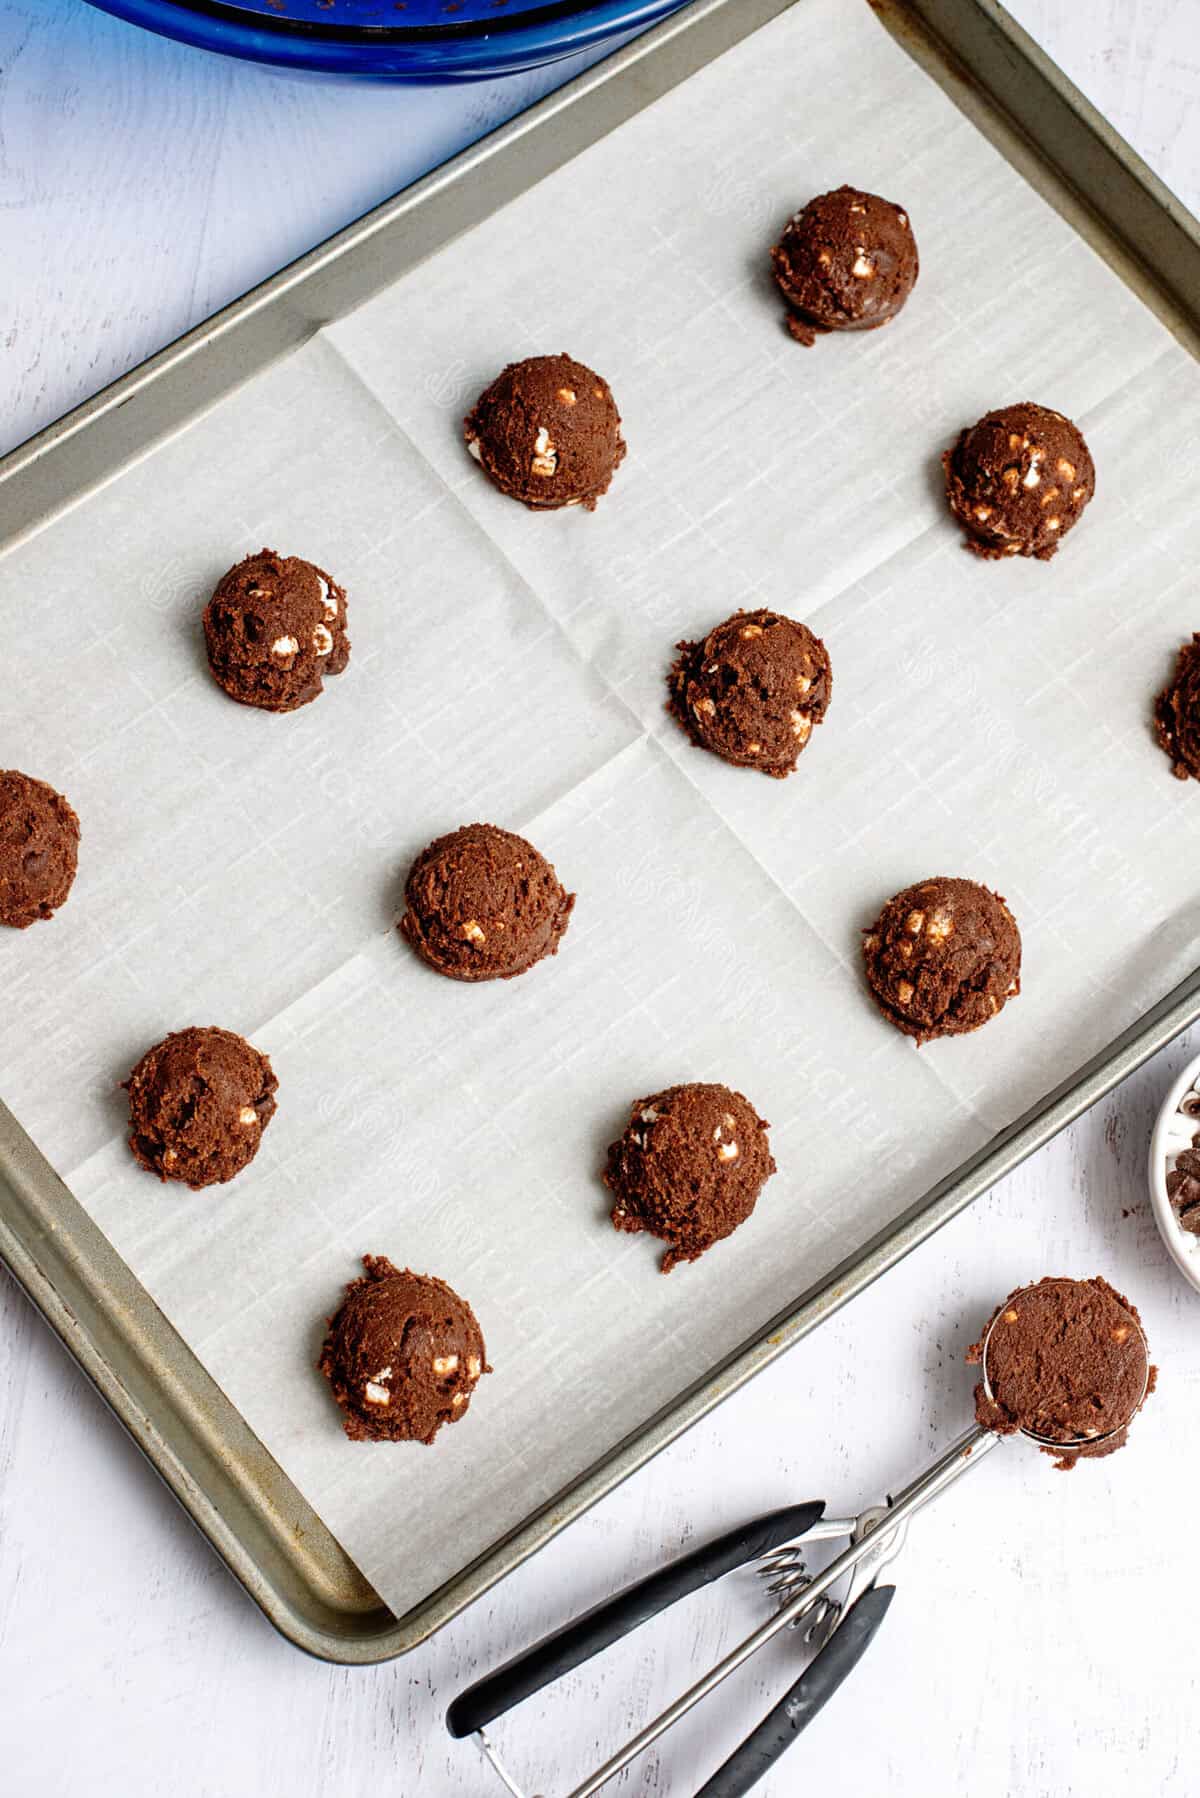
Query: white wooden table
[1042, 1638]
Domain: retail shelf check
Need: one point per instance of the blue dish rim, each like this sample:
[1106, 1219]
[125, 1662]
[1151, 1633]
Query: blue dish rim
[501, 25]
[458, 49]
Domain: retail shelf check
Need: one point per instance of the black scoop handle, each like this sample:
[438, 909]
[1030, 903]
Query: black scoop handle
[797, 1708]
[615, 1617]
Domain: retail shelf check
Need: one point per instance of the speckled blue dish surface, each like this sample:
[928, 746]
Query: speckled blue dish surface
[400, 40]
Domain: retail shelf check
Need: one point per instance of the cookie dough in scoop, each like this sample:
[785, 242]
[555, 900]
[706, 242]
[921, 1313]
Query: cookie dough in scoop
[1066, 1363]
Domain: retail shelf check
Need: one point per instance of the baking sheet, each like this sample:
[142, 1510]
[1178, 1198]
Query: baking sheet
[242, 869]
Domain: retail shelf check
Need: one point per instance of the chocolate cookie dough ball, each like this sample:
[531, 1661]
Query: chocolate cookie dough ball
[1177, 713]
[752, 690]
[275, 627]
[39, 849]
[199, 1102]
[943, 958]
[1018, 480]
[483, 904]
[403, 1355]
[689, 1168]
[1066, 1362]
[847, 262]
[547, 432]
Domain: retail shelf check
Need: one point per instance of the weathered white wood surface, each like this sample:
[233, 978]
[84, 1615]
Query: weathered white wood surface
[1042, 1639]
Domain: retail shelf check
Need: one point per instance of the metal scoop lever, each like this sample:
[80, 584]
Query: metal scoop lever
[606, 1623]
[849, 1629]
[966, 1452]
[797, 1708]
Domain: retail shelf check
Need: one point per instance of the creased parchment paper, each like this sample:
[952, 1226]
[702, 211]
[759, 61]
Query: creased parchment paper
[244, 869]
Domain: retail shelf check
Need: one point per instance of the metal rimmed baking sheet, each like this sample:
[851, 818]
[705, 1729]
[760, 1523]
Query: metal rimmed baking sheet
[344, 346]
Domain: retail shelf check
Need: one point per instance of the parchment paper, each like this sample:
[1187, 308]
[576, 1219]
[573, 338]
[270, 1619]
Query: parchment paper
[243, 869]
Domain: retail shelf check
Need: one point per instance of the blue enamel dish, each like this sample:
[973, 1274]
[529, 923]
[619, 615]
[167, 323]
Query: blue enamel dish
[399, 40]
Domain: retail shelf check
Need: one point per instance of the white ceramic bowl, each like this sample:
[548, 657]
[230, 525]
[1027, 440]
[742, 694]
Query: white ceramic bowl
[1173, 1132]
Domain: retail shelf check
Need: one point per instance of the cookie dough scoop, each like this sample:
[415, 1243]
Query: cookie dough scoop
[847, 262]
[1018, 481]
[274, 628]
[752, 690]
[688, 1168]
[547, 432]
[403, 1355]
[1177, 713]
[942, 958]
[483, 904]
[39, 849]
[199, 1102]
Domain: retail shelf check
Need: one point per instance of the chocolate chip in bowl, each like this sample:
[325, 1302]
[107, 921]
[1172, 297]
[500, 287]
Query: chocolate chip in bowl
[1175, 1172]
